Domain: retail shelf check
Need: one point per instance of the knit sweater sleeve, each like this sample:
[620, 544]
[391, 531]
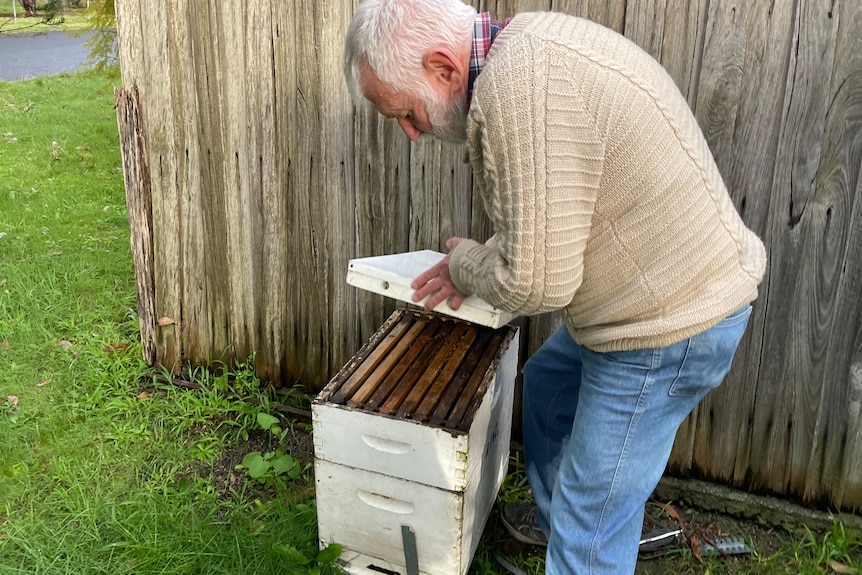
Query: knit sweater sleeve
[537, 161]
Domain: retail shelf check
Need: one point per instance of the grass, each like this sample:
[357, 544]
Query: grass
[15, 23]
[102, 470]
[105, 470]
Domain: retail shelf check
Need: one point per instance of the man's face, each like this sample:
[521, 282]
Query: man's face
[430, 113]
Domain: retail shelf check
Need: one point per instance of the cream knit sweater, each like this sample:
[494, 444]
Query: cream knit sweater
[603, 194]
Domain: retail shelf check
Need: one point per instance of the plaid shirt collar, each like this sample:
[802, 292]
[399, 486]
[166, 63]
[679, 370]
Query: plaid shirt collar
[485, 30]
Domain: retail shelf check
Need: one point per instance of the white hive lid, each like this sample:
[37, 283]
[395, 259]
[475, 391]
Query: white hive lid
[391, 276]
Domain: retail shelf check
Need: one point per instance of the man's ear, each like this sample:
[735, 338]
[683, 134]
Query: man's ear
[443, 69]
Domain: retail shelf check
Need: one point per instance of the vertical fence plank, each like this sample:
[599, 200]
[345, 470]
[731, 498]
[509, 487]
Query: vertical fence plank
[579, 8]
[325, 220]
[716, 107]
[784, 420]
[739, 102]
[270, 300]
[456, 216]
[609, 13]
[130, 49]
[682, 44]
[843, 170]
[234, 91]
[644, 25]
[306, 188]
[440, 192]
[155, 81]
[722, 69]
[187, 109]
[506, 8]
[280, 201]
[829, 208]
[799, 355]
[425, 197]
[844, 454]
[382, 199]
[136, 176]
[338, 157]
[210, 337]
[139, 205]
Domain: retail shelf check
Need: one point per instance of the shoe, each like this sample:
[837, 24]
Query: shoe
[520, 522]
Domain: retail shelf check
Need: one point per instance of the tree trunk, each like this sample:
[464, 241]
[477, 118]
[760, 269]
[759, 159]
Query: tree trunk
[29, 7]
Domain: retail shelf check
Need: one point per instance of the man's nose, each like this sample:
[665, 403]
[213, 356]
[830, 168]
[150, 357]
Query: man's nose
[409, 129]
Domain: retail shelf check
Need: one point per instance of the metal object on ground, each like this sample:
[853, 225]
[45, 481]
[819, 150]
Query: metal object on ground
[725, 546]
[659, 540]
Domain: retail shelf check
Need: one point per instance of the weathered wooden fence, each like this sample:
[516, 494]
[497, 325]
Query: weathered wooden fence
[252, 179]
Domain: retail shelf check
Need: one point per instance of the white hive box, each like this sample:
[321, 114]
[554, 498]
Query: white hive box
[391, 275]
[412, 435]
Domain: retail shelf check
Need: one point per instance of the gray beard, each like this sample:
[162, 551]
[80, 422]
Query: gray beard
[448, 120]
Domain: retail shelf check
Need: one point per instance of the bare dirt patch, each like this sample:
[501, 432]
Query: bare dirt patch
[225, 476]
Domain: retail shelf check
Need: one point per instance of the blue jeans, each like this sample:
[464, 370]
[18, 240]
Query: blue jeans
[598, 431]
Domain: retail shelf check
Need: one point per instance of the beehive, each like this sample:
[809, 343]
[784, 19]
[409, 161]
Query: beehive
[411, 444]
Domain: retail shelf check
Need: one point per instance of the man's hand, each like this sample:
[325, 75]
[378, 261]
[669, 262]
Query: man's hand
[437, 283]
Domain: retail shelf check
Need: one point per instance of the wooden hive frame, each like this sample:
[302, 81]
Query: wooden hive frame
[420, 366]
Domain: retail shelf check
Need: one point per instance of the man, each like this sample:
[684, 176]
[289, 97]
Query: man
[606, 204]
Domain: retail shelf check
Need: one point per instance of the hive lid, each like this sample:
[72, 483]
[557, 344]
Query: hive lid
[391, 276]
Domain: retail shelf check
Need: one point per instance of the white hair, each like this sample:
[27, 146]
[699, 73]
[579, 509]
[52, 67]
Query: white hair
[392, 36]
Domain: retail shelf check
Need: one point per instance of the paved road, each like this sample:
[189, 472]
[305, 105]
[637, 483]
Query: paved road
[31, 55]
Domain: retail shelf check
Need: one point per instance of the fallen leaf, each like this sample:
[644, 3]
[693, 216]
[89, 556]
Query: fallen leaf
[4, 345]
[3, 281]
[145, 395]
[115, 347]
[13, 399]
[163, 321]
[841, 567]
[694, 542]
[672, 513]
[43, 383]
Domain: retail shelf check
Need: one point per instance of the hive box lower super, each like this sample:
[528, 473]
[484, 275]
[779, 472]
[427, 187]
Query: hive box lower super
[411, 442]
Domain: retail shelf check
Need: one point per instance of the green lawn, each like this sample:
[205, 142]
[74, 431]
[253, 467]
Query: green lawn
[105, 470]
[102, 470]
[15, 22]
